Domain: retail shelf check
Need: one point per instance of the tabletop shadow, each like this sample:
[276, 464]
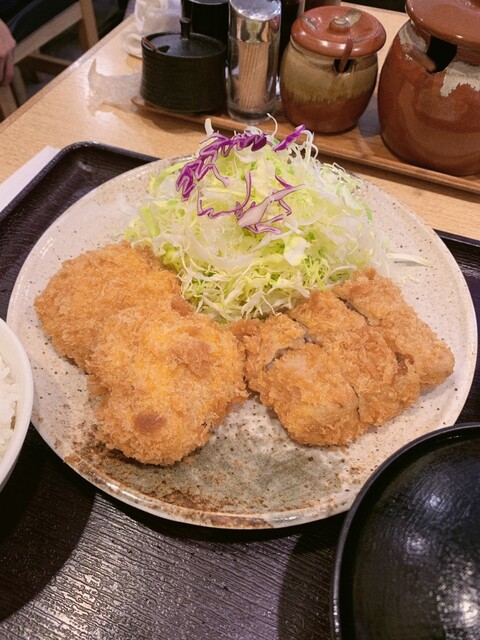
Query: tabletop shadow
[303, 602]
[194, 532]
[304, 605]
[44, 508]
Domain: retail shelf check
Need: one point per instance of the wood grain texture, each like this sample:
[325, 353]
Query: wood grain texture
[61, 114]
[363, 144]
[80, 565]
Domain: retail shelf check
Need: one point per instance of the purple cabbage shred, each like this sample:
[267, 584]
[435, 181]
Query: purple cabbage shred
[249, 217]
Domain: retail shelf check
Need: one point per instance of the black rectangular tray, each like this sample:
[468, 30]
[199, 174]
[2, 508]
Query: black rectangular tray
[73, 172]
[81, 167]
[77, 562]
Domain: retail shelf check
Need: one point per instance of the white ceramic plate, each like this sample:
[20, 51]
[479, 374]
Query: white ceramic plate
[250, 474]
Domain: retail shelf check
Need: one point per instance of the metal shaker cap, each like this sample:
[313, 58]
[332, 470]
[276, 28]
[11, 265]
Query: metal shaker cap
[254, 20]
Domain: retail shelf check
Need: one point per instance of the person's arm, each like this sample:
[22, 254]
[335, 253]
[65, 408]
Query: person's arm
[7, 48]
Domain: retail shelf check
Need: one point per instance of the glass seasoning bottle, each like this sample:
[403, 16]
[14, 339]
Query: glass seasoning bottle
[253, 46]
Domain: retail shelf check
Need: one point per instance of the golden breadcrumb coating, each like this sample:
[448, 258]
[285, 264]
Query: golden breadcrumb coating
[331, 369]
[325, 315]
[381, 302]
[311, 398]
[384, 385]
[164, 376]
[301, 383]
[267, 340]
[164, 382]
[89, 288]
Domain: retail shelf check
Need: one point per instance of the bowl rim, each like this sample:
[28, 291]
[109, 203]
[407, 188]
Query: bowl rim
[25, 404]
[423, 443]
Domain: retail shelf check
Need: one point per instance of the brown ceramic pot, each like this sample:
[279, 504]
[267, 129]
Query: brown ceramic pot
[329, 68]
[429, 87]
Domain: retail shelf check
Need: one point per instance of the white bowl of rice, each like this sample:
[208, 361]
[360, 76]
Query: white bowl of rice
[16, 399]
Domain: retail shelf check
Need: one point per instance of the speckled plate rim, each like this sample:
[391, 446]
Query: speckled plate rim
[439, 293]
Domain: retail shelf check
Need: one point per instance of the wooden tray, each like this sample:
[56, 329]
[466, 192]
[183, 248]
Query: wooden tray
[362, 144]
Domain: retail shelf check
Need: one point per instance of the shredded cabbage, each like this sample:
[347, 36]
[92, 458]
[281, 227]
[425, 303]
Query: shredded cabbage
[251, 225]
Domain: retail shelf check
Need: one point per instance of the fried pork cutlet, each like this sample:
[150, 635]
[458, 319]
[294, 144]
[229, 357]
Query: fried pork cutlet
[324, 316]
[88, 289]
[296, 379]
[311, 398]
[266, 341]
[163, 386]
[384, 383]
[380, 301]
[330, 372]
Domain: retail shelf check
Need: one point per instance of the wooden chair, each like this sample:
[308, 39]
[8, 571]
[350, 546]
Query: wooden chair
[28, 52]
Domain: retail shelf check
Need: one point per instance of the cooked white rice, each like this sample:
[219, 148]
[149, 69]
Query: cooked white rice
[8, 405]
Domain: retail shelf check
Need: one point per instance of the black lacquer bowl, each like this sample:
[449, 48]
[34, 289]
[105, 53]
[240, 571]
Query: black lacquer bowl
[408, 558]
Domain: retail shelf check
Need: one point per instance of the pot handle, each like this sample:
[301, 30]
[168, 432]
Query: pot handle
[345, 55]
[185, 27]
[419, 56]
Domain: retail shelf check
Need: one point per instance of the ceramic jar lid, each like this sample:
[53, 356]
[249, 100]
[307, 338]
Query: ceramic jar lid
[333, 30]
[455, 21]
[184, 44]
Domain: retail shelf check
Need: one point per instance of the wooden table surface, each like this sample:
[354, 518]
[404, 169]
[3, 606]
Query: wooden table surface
[60, 115]
[77, 564]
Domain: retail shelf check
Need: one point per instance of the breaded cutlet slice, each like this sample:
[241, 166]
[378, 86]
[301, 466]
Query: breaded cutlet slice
[299, 381]
[324, 315]
[311, 397]
[89, 288]
[385, 384]
[163, 385]
[381, 302]
[266, 340]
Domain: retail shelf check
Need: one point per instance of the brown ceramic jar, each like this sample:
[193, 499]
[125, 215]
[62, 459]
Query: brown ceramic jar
[429, 87]
[329, 68]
